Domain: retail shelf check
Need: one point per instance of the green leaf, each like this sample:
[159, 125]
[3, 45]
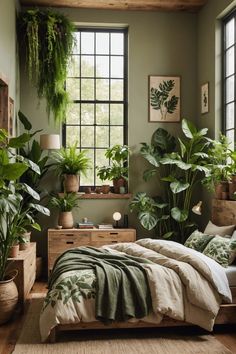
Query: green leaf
[169, 178]
[12, 171]
[188, 128]
[29, 190]
[203, 169]
[36, 226]
[27, 125]
[148, 174]
[148, 220]
[168, 234]
[182, 147]
[150, 155]
[19, 141]
[163, 140]
[179, 215]
[183, 166]
[40, 208]
[178, 186]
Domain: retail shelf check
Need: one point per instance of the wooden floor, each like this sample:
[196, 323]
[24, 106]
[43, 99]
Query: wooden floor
[10, 332]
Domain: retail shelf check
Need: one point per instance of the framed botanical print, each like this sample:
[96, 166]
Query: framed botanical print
[205, 98]
[164, 99]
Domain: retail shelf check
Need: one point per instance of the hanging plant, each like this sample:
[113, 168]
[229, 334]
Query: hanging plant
[47, 40]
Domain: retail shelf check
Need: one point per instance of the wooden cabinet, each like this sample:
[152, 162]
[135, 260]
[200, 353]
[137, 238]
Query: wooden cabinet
[25, 264]
[223, 212]
[62, 240]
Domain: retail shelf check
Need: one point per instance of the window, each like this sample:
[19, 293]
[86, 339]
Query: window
[97, 86]
[229, 78]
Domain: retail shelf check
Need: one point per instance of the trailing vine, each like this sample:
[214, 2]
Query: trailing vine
[47, 40]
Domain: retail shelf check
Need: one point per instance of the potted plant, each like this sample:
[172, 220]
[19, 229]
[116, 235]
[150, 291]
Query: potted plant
[117, 171]
[65, 203]
[11, 217]
[104, 174]
[71, 163]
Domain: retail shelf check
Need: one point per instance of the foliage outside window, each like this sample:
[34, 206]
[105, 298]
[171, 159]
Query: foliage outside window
[229, 78]
[97, 85]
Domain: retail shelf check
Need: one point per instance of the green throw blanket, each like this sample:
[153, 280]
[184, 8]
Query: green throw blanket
[122, 290]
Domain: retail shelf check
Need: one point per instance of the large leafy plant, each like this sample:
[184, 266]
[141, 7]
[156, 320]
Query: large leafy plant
[47, 39]
[13, 218]
[65, 202]
[180, 171]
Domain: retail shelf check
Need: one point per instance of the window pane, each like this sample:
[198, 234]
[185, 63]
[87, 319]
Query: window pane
[73, 114]
[101, 160]
[229, 33]
[102, 66]
[102, 114]
[74, 66]
[102, 89]
[87, 137]
[117, 67]
[72, 135]
[87, 66]
[117, 43]
[229, 89]
[87, 89]
[230, 116]
[87, 43]
[230, 136]
[87, 113]
[230, 61]
[88, 180]
[76, 49]
[102, 137]
[102, 43]
[116, 90]
[73, 88]
[116, 135]
[117, 116]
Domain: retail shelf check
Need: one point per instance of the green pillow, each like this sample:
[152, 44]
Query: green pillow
[198, 241]
[222, 250]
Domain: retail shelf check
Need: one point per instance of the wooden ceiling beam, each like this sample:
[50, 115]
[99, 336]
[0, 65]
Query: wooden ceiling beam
[142, 5]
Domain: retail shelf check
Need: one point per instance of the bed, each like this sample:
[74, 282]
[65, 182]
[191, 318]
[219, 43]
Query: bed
[194, 290]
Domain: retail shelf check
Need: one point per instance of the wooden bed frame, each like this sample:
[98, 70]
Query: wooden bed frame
[223, 213]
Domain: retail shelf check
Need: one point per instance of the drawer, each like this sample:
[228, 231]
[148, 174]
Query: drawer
[51, 259]
[62, 244]
[112, 236]
[64, 235]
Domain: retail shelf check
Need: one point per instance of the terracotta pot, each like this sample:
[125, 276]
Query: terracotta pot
[66, 220]
[222, 187]
[14, 251]
[232, 189]
[8, 298]
[71, 183]
[117, 183]
[233, 178]
[24, 246]
[105, 188]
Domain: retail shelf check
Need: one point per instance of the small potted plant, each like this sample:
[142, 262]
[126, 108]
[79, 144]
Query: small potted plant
[71, 163]
[104, 175]
[65, 204]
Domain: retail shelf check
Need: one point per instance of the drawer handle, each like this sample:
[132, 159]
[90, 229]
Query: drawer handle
[114, 241]
[113, 233]
[69, 234]
[101, 236]
[70, 242]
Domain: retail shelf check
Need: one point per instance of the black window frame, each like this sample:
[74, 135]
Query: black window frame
[225, 21]
[124, 31]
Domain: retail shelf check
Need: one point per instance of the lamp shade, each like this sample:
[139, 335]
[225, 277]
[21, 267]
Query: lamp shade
[50, 141]
[197, 209]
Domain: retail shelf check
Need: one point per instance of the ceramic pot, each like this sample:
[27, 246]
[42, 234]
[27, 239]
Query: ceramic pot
[105, 188]
[66, 220]
[14, 251]
[222, 187]
[8, 297]
[71, 183]
[117, 183]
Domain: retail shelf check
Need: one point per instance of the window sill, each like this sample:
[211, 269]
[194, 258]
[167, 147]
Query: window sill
[104, 196]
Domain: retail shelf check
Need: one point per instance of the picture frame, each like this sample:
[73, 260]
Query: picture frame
[4, 102]
[11, 117]
[205, 98]
[164, 98]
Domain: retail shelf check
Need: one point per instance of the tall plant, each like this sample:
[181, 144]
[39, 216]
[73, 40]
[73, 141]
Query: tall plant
[47, 40]
[180, 171]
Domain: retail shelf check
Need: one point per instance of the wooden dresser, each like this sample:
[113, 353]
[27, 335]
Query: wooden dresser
[25, 263]
[64, 239]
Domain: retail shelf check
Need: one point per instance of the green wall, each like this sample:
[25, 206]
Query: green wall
[8, 48]
[209, 69]
[159, 43]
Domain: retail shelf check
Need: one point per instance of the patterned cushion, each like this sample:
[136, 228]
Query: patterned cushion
[222, 250]
[198, 241]
[212, 229]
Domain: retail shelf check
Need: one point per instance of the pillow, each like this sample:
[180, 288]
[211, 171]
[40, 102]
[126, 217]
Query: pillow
[212, 229]
[222, 250]
[198, 241]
